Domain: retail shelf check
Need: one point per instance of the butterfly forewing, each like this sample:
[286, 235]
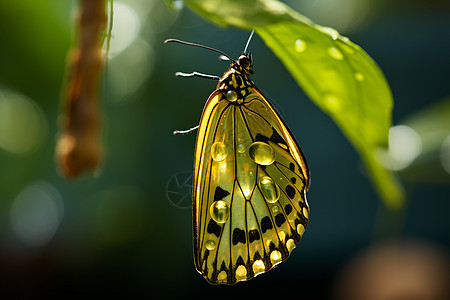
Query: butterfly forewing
[250, 183]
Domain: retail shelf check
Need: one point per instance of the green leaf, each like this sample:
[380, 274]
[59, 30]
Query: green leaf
[335, 73]
[346, 84]
[246, 14]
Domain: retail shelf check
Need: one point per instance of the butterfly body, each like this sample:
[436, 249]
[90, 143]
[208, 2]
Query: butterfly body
[250, 182]
[237, 80]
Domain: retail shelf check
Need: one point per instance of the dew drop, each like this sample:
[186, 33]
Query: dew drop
[219, 151]
[258, 267]
[261, 153]
[359, 76]
[241, 148]
[275, 256]
[210, 245]
[219, 211]
[231, 96]
[241, 272]
[290, 245]
[300, 45]
[275, 209]
[335, 53]
[269, 189]
[332, 102]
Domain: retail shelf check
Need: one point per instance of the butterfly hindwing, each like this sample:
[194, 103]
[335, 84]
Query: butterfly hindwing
[250, 183]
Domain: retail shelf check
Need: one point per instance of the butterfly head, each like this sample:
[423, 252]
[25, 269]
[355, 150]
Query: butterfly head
[245, 63]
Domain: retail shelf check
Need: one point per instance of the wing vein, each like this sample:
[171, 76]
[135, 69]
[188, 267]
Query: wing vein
[209, 184]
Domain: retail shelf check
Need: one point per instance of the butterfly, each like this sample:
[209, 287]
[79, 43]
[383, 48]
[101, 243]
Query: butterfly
[250, 179]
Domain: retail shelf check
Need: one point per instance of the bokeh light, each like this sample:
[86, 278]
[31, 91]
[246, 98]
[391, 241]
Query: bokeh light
[135, 24]
[404, 146]
[159, 17]
[36, 213]
[126, 27]
[138, 60]
[23, 125]
[393, 271]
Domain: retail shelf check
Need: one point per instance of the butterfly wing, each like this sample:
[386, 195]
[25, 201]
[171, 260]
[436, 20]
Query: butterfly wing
[250, 183]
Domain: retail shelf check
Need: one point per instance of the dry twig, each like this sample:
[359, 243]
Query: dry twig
[78, 147]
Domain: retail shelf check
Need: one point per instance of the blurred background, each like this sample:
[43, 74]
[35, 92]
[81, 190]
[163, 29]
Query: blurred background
[126, 230]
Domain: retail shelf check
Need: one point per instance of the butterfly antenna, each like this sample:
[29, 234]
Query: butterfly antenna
[200, 46]
[249, 39]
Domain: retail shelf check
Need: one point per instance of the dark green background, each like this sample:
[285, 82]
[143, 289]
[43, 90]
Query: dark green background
[120, 235]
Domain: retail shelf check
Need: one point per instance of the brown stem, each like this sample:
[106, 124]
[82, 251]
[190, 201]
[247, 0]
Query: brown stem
[78, 147]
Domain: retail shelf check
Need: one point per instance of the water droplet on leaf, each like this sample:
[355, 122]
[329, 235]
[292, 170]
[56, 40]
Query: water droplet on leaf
[335, 53]
[300, 45]
[359, 76]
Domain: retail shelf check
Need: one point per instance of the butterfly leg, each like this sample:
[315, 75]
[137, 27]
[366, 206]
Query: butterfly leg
[186, 131]
[197, 74]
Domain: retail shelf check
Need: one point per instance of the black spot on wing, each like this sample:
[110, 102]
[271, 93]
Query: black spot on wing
[280, 219]
[293, 180]
[290, 191]
[240, 261]
[257, 256]
[223, 266]
[303, 205]
[205, 257]
[214, 228]
[220, 193]
[253, 235]
[266, 224]
[261, 138]
[238, 236]
[301, 220]
[272, 246]
[277, 138]
[291, 167]
[288, 209]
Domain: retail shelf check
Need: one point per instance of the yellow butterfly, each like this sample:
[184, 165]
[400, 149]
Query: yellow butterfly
[250, 180]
